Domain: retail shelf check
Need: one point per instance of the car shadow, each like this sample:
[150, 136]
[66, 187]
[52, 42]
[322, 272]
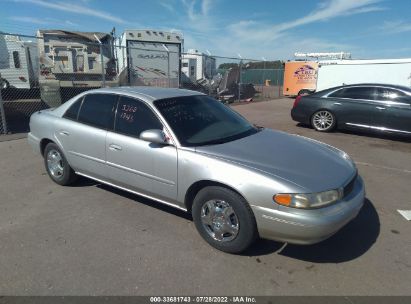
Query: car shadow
[352, 241]
[349, 243]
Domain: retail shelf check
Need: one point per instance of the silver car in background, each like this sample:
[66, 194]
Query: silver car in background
[187, 150]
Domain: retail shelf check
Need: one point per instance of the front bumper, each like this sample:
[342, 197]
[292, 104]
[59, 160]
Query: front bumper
[298, 226]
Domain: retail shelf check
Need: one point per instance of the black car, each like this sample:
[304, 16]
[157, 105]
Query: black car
[369, 106]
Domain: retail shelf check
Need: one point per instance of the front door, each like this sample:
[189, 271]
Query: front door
[145, 167]
[397, 106]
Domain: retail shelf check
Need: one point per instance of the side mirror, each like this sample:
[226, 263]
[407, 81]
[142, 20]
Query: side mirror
[154, 136]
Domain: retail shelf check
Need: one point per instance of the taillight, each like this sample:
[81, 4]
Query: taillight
[297, 100]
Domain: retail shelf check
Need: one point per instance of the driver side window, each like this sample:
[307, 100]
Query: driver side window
[134, 117]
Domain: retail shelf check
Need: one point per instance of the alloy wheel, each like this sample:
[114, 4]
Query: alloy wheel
[220, 220]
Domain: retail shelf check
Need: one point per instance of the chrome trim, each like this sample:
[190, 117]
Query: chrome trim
[132, 191]
[377, 128]
[98, 160]
[282, 221]
[159, 179]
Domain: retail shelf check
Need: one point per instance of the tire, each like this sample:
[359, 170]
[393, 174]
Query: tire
[304, 92]
[233, 227]
[323, 121]
[57, 166]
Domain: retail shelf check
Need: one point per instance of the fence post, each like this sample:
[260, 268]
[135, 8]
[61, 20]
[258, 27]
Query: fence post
[3, 115]
[263, 80]
[168, 68]
[278, 83]
[103, 74]
[239, 81]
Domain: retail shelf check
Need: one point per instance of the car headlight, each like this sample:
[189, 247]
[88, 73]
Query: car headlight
[308, 200]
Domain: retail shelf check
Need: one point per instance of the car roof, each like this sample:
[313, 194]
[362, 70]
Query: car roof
[146, 93]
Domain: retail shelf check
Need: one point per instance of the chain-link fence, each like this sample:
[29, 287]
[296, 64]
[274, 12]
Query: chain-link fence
[46, 70]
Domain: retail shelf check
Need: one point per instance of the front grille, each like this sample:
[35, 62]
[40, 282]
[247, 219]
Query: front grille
[350, 186]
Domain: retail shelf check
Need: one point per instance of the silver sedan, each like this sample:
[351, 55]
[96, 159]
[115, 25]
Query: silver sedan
[187, 150]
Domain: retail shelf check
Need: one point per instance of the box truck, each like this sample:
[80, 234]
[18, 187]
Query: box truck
[343, 72]
[300, 77]
[18, 63]
[149, 57]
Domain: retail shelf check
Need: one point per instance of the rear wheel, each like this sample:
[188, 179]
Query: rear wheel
[323, 121]
[304, 92]
[57, 166]
[224, 219]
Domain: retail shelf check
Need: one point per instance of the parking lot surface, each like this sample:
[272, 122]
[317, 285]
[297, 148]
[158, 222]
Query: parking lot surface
[90, 239]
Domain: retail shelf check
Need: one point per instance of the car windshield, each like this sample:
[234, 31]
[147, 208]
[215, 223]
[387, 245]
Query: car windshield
[202, 120]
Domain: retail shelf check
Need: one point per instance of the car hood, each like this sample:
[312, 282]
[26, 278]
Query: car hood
[306, 163]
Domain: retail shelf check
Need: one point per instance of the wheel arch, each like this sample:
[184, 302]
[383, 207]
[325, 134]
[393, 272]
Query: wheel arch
[201, 184]
[43, 144]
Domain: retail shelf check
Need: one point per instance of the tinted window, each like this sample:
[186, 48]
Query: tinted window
[337, 93]
[202, 120]
[387, 94]
[98, 110]
[134, 117]
[72, 112]
[356, 93]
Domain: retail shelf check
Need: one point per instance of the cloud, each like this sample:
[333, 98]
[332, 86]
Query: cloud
[396, 27]
[75, 9]
[43, 21]
[324, 12]
[32, 20]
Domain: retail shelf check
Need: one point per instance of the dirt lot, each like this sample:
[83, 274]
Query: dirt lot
[90, 239]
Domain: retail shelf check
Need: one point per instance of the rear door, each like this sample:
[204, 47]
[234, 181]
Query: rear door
[83, 138]
[136, 164]
[356, 106]
[397, 106]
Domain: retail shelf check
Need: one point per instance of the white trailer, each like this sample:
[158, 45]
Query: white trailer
[343, 72]
[149, 57]
[18, 63]
[196, 65]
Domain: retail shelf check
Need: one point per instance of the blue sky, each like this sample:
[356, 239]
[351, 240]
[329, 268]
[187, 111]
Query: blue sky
[253, 29]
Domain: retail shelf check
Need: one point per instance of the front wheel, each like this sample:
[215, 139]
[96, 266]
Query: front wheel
[57, 166]
[224, 219]
[323, 121]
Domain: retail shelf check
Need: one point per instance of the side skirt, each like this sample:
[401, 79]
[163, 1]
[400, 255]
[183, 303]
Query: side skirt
[132, 191]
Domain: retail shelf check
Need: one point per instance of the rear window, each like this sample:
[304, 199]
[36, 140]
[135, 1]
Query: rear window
[72, 112]
[98, 110]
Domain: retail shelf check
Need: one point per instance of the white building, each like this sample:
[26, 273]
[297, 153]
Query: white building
[196, 65]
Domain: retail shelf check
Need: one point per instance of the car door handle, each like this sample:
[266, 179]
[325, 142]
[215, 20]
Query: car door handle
[380, 108]
[66, 133]
[338, 103]
[115, 147]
